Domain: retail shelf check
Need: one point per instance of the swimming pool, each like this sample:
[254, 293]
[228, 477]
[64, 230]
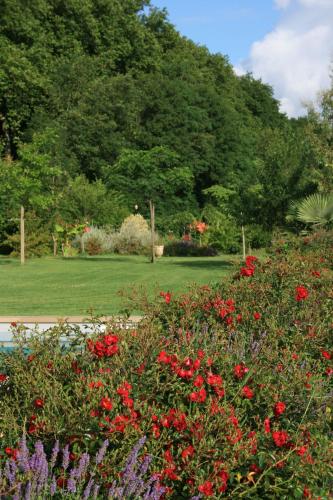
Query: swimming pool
[6, 335]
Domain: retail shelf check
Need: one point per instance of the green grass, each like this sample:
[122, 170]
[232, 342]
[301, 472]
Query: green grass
[57, 286]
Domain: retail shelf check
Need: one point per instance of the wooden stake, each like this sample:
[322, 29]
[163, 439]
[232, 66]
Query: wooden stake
[152, 225]
[22, 236]
[244, 248]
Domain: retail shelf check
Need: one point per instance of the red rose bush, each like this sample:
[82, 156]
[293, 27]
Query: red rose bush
[230, 383]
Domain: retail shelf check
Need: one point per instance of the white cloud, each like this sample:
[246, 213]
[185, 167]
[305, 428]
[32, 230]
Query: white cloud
[295, 57]
[282, 4]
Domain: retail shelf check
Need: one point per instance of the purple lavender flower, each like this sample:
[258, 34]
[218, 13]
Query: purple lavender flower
[65, 457]
[83, 466]
[87, 490]
[27, 495]
[53, 486]
[71, 483]
[54, 455]
[10, 471]
[23, 455]
[17, 494]
[101, 453]
[95, 491]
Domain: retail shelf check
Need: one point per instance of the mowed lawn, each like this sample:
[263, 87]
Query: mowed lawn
[58, 286]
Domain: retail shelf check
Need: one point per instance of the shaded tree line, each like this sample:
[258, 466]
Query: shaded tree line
[104, 105]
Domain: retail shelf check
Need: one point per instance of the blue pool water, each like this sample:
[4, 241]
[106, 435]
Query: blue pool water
[6, 336]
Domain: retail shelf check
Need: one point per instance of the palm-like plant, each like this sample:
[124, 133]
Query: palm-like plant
[316, 209]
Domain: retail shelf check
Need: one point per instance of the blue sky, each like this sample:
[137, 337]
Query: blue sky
[285, 43]
[226, 26]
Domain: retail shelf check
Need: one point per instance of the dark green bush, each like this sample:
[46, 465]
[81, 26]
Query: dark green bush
[188, 249]
[38, 239]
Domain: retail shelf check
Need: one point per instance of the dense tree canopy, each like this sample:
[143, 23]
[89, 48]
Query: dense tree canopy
[105, 96]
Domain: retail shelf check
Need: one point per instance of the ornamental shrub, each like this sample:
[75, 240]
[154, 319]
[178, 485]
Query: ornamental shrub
[188, 249]
[231, 383]
[96, 241]
[134, 236]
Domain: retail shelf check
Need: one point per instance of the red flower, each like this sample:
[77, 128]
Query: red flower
[240, 370]
[279, 408]
[257, 315]
[199, 396]
[106, 404]
[206, 489]
[3, 377]
[199, 381]
[247, 271]
[306, 492]
[201, 354]
[267, 425]
[302, 450]
[167, 297]
[168, 457]
[301, 293]
[13, 324]
[326, 355]
[215, 380]
[163, 357]
[124, 389]
[187, 452]
[280, 438]
[247, 392]
[200, 227]
[110, 339]
[39, 403]
[224, 476]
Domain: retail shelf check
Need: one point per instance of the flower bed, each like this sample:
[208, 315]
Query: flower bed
[231, 385]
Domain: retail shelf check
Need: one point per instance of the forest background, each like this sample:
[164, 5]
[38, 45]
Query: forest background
[104, 106]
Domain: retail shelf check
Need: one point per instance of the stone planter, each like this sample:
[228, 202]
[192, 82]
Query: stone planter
[159, 249]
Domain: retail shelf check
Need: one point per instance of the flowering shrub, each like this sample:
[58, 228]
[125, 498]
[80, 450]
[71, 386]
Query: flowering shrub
[134, 236]
[28, 475]
[96, 241]
[231, 384]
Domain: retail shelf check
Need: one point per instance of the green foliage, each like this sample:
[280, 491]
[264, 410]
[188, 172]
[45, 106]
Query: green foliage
[104, 104]
[223, 232]
[38, 239]
[156, 175]
[91, 202]
[257, 236]
[175, 224]
[316, 209]
[189, 249]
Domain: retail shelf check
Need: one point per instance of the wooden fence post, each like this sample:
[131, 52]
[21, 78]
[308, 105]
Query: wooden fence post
[22, 236]
[152, 225]
[244, 247]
